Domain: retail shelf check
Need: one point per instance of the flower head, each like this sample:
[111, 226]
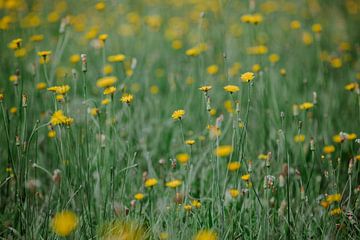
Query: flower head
[206, 235]
[223, 151]
[106, 82]
[205, 88]
[127, 98]
[173, 183]
[178, 114]
[151, 182]
[247, 77]
[183, 158]
[231, 88]
[64, 223]
[233, 166]
[139, 196]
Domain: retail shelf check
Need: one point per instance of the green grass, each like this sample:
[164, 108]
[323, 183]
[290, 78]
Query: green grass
[94, 166]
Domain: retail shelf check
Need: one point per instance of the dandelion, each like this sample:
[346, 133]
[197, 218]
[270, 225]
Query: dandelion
[190, 142]
[178, 114]
[116, 58]
[306, 106]
[103, 37]
[127, 98]
[109, 90]
[295, 24]
[187, 207]
[151, 182]
[213, 69]
[223, 151]
[206, 235]
[44, 54]
[52, 134]
[105, 101]
[94, 111]
[245, 177]
[106, 82]
[139, 196]
[333, 198]
[316, 28]
[231, 88]
[173, 183]
[351, 86]
[13, 110]
[196, 203]
[41, 86]
[75, 58]
[64, 223]
[329, 149]
[205, 88]
[299, 138]
[182, 158]
[335, 211]
[233, 166]
[247, 77]
[324, 204]
[283, 72]
[234, 192]
[37, 38]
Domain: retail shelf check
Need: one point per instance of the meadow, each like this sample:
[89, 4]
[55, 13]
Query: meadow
[179, 119]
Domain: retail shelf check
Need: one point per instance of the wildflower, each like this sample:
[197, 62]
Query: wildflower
[127, 98]
[75, 58]
[295, 24]
[273, 58]
[183, 158]
[106, 101]
[21, 52]
[307, 38]
[106, 82]
[139, 196]
[306, 105]
[59, 89]
[103, 37]
[124, 230]
[13, 110]
[231, 88]
[44, 54]
[335, 212]
[151, 182]
[59, 98]
[338, 138]
[334, 198]
[245, 177]
[206, 235]
[256, 68]
[257, 50]
[336, 62]
[178, 114]
[59, 118]
[190, 142]
[283, 72]
[116, 58]
[16, 43]
[164, 236]
[52, 134]
[1, 97]
[64, 223]
[109, 90]
[205, 88]
[223, 151]
[37, 38]
[329, 149]
[187, 207]
[316, 28]
[176, 44]
[234, 192]
[324, 204]
[41, 86]
[299, 138]
[100, 6]
[247, 77]
[351, 86]
[94, 111]
[196, 203]
[193, 52]
[351, 136]
[173, 183]
[233, 166]
[212, 69]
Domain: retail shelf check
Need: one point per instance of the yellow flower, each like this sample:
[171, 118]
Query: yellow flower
[116, 58]
[37, 38]
[196, 203]
[283, 72]
[193, 52]
[336, 62]
[58, 118]
[299, 138]
[74, 58]
[154, 89]
[100, 6]
[183, 158]
[307, 38]
[234, 192]
[295, 24]
[324, 204]
[205, 235]
[262, 156]
[173, 183]
[205, 88]
[59, 98]
[334, 198]
[176, 44]
[338, 138]
[44, 54]
[64, 223]
[329, 149]
[106, 101]
[59, 89]
[103, 37]
[212, 69]
[351, 136]
[190, 142]
[52, 134]
[187, 207]
[21, 52]
[41, 86]
[306, 105]
[245, 177]
[273, 58]
[106, 82]
[164, 236]
[223, 151]
[247, 77]
[151, 182]
[94, 111]
[139, 196]
[178, 114]
[351, 86]
[316, 28]
[233, 166]
[13, 110]
[256, 67]
[127, 98]
[335, 212]
[257, 50]
[231, 88]
[109, 90]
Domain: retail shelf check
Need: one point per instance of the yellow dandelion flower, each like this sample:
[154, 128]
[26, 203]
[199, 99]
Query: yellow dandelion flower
[205, 88]
[212, 69]
[283, 72]
[245, 177]
[176, 44]
[100, 6]
[247, 77]
[234, 192]
[109, 90]
[233, 166]
[193, 52]
[75, 58]
[274, 58]
[299, 138]
[182, 158]
[44, 54]
[116, 58]
[13, 110]
[190, 142]
[338, 138]
[223, 151]
[351, 86]
[106, 82]
[351, 136]
[196, 203]
[52, 134]
[151, 182]
[178, 114]
[324, 204]
[256, 68]
[335, 212]
[334, 198]
[306, 106]
[307, 38]
[41, 86]
[336, 62]
[329, 149]
[106, 101]
[94, 111]
[64, 223]
[262, 156]
[295, 24]
[173, 184]
[187, 207]
[231, 88]
[37, 38]
[205, 235]
[103, 37]
[139, 196]
[127, 98]
[316, 28]
[58, 118]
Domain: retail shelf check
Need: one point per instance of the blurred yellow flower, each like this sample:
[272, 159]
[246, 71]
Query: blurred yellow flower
[223, 151]
[329, 149]
[233, 166]
[174, 183]
[231, 88]
[127, 98]
[151, 182]
[212, 69]
[106, 82]
[247, 77]
[306, 105]
[234, 192]
[182, 158]
[178, 114]
[139, 196]
[116, 58]
[299, 138]
[109, 90]
[205, 235]
[64, 223]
